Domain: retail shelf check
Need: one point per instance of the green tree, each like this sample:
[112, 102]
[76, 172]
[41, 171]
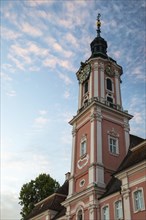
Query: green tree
[35, 191]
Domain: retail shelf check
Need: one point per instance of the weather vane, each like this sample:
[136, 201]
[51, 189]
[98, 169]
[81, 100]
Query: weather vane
[98, 25]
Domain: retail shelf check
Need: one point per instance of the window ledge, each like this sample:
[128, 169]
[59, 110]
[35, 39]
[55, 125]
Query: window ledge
[83, 156]
[139, 210]
[116, 155]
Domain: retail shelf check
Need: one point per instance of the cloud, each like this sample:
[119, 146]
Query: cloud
[42, 120]
[21, 162]
[58, 47]
[34, 69]
[5, 77]
[11, 209]
[28, 54]
[7, 67]
[138, 118]
[31, 30]
[11, 93]
[66, 94]
[43, 112]
[21, 52]
[18, 64]
[7, 13]
[65, 79]
[67, 116]
[66, 138]
[33, 3]
[52, 61]
[71, 39]
[138, 73]
[117, 54]
[36, 50]
[137, 108]
[10, 34]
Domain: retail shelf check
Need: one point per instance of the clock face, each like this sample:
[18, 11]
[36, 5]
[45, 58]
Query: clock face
[85, 72]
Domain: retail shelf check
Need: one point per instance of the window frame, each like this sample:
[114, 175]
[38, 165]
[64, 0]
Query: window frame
[83, 146]
[112, 84]
[85, 87]
[115, 210]
[116, 152]
[102, 212]
[141, 199]
[80, 209]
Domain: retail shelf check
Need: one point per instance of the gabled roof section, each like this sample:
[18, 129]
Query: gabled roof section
[135, 140]
[135, 155]
[63, 189]
[60, 214]
[52, 202]
[113, 186]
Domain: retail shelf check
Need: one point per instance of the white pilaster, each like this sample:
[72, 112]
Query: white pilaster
[117, 84]
[126, 199]
[71, 180]
[91, 169]
[92, 137]
[91, 208]
[90, 86]
[96, 83]
[126, 129]
[73, 149]
[100, 175]
[102, 87]
[71, 184]
[99, 167]
[79, 96]
[99, 136]
[91, 175]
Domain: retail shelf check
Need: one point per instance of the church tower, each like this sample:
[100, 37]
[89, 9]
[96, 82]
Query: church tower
[100, 136]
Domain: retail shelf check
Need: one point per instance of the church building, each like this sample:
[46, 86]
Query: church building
[107, 180]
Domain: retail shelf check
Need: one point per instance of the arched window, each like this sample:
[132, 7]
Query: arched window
[109, 84]
[80, 215]
[85, 87]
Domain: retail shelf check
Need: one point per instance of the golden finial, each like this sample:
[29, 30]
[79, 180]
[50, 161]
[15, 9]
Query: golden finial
[98, 25]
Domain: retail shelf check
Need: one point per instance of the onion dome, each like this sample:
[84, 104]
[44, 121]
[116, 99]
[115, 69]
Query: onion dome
[98, 45]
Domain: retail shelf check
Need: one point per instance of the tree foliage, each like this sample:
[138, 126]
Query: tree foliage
[35, 191]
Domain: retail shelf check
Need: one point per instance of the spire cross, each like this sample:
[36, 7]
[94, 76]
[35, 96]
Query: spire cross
[98, 25]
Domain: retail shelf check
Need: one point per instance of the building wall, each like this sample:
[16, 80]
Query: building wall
[112, 161]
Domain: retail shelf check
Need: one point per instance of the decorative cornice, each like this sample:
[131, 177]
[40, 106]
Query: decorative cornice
[74, 131]
[113, 133]
[96, 116]
[101, 66]
[117, 75]
[126, 126]
[125, 192]
[96, 66]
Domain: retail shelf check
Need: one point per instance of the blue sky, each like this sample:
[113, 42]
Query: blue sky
[42, 45]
